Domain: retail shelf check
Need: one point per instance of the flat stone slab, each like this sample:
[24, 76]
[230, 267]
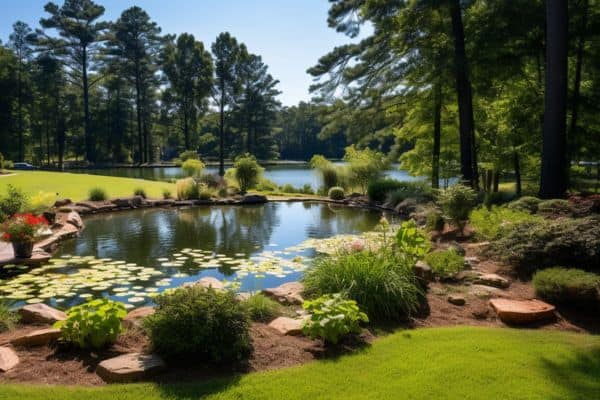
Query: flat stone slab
[40, 313]
[519, 312]
[493, 280]
[130, 367]
[457, 300]
[288, 293]
[135, 317]
[40, 337]
[287, 326]
[8, 359]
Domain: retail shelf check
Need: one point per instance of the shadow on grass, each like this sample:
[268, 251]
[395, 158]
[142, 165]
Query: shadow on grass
[196, 390]
[579, 374]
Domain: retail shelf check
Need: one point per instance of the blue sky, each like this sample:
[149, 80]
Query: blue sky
[291, 35]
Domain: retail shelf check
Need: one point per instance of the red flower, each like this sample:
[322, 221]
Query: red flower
[6, 237]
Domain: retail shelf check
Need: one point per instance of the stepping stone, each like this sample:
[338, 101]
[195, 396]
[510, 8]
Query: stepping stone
[287, 326]
[130, 367]
[457, 300]
[40, 313]
[519, 312]
[485, 291]
[493, 280]
[288, 293]
[135, 317]
[40, 337]
[8, 359]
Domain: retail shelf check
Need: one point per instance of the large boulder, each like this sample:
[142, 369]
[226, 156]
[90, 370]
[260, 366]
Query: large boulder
[8, 359]
[407, 206]
[62, 203]
[253, 199]
[130, 367]
[287, 326]
[40, 313]
[73, 218]
[423, 272]
[40, 337]
[207, 282]
[288, 293]
[519, 312]
[135, 317]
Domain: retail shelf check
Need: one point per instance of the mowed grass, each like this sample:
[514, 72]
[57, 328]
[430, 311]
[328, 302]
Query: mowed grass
[77, 186]
[446, 363]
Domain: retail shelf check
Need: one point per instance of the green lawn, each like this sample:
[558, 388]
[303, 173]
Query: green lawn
[448, 363]
[77, 186]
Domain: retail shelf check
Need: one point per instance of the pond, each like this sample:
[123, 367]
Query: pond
[296, 175]
[130, 256]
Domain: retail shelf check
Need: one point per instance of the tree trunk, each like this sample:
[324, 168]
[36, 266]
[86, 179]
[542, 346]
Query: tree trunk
[465, 100]
[20, 111]
[89, 142]
[222, 133]
[138, 105]
[517, 167]
[554, 155]
[437, 134]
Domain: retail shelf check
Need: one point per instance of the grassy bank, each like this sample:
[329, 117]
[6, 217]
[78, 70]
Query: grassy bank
[448, 363]
[77, 186]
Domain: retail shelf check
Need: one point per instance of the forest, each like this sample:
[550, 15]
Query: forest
[485, 90]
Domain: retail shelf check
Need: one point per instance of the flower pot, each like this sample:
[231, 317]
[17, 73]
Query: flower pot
[22, 249]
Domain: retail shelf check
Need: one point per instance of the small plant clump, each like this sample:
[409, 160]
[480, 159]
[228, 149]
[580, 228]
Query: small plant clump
[457, 202]
[187, 189]
[434, 220]
[97, 194]
[526, 203]
[332, 317]
[13, 202]
[192, 168]
[247, 172]
[261, 308]
[568, 286]
[93, 325]
[558, 207]
[446, 263]
[336, 193]
[491, 224]
[167, 194]
[8, 319]
[140, 192]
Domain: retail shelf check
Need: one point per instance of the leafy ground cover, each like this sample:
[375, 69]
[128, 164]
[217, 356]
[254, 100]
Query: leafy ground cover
[448, 363]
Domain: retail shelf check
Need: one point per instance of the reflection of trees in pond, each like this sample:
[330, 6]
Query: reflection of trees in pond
[332, 220]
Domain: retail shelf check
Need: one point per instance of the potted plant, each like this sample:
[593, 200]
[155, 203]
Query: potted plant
[21, 230]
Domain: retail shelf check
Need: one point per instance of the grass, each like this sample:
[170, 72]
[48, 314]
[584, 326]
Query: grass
[447, 363]
[77, 186]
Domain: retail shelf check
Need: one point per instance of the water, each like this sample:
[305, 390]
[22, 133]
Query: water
[132, 255]
[296, 175]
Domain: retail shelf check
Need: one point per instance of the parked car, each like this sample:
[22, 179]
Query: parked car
[24, 166]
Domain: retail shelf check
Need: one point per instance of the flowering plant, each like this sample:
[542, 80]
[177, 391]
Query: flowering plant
[22, 228]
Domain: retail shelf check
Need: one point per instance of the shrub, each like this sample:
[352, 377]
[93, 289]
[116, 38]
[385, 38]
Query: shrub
[555, 206]
[199, 324]
[331, 175]
[397, 191]
[167, 194]
[8, 319]
[379, 189]
[213, 181]
[546, 243]
[205, 193]
[434, 220]
[192, 167]
[13, 202]
[41, 202]
[247, 172]
[336, 193]
[223, 192]
[97, 194]
[526, 203]
[457, 202]
[288, 188]
[411, 241]
[187, 189]
[94, 324]
[189, 155]
[332, 317]
[140, 192]
[307, 189]
[261, 308]
[446, 263]
[364, 166]
[382, 284]
[567, 286]
[492, 224]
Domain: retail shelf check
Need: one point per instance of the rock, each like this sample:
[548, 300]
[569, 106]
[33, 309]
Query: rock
[407, 206]
[137, 201]
[288, 293]
[481, 312]
[471, 262]
[253, 199]
[40, 313]
[74, 219]
[130, 367]
[457, 247]
[243, 296]
[210, 282]
[493, 280]
[8, 359]
[50, 216]
[519, 312]
[40, 337]
[287, 326]
[484, 291]
[62, 203]
[135, 317]
[423, 272]
[457, 300]
[122, 203]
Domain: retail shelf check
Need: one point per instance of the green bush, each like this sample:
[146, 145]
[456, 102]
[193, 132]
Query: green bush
[382, 284]
[434, 220]
[204, 193]
[199, 324]
[247, 172]
[397, 191]
[412, 241]
[223, 192]
[8, 319]
[555, 206]
[332, 317]
[192, 167]
[93, 325]
[140, 192]
[336, 193]
[261, 308]
[457, 202]
[379, 189]
[167, 194]
[212, 181]
[13, 202]
[331, 175]
[189, 155]
[446, 263]
[568, 286]
[187, 189]
[492, 224]
[530, 245]
[97, 194]
[526, 203]
[307, 189]
[364, 166]
[265, 185]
